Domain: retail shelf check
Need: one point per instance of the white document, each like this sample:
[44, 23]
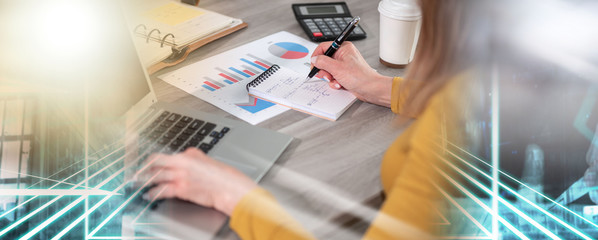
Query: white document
[313, 96]
[221, 79]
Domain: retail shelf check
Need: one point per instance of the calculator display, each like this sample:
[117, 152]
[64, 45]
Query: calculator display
[321, 9]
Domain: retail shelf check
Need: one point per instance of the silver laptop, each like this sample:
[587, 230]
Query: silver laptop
[95, 53]
[170, 128]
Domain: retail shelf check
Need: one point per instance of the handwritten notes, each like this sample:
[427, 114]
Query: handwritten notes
[289, 88]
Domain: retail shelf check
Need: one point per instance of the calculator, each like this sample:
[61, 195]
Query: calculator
[325, 21]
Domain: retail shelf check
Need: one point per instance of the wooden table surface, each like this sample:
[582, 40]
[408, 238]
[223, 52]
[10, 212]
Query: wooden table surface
[331, 167]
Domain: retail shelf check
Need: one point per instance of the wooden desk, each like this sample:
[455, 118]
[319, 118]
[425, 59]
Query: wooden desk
[330, 165]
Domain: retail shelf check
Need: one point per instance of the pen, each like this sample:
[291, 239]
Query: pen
[336, 44]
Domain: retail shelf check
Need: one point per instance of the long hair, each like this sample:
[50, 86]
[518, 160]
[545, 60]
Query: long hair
[443, 50]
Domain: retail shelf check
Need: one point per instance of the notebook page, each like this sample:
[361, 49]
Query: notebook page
[317, 94]
[312, 95]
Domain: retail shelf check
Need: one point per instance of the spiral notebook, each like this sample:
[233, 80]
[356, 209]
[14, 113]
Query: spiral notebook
[167, 31]
[289, 88]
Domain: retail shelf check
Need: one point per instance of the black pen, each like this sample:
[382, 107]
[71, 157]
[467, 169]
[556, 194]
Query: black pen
[336, 44]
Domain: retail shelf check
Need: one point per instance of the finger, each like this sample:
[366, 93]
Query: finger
[144, 166]
[195, 153]
[335, 84]
[321, 48]
[170, 165]
[324, 74]
[150, 160]
[326, 63]
[162, 191]
[169, 161]
[160, 176]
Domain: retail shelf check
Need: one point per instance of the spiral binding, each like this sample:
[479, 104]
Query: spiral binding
[262, 77]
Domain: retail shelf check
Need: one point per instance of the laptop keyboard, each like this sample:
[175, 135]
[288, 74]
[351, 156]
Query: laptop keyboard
[172, 133]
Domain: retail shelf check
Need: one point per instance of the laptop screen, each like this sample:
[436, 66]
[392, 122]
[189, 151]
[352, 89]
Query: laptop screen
[60, 60]
[70, 50]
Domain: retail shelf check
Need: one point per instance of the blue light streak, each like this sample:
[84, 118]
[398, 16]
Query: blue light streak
[21, 220]
[479, 202]
[501, 200]
[121, 206]
[55, 185]
[88, 212]
[52, 219]
[519, 182]
[495, 143]
[525, 199]
[488, 233]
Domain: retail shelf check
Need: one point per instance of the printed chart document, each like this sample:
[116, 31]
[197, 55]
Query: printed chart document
[221, 80]
[313, 96]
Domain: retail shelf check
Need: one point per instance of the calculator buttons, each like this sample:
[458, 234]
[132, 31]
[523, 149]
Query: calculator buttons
[321, 29]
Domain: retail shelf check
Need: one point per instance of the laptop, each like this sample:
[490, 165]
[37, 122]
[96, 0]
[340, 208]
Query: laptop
[95, 53]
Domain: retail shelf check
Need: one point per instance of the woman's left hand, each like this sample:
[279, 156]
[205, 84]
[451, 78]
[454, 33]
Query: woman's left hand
[195, 177]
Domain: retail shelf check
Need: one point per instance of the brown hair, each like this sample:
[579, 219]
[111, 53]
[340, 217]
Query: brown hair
[441, 51]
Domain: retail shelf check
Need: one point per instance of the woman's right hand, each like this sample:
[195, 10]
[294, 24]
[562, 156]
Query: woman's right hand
[347, 69]
[195, 177]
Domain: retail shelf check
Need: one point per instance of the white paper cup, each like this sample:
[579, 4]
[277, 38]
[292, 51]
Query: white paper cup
[400, 23]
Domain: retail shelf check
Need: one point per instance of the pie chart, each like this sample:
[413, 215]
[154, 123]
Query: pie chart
[288, 50]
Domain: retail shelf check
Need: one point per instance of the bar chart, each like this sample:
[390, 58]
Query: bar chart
[234, 75]
[221, 79]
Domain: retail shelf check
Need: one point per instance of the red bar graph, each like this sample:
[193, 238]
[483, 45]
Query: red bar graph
[261, 64]
[248, 72]
[228, 77]
[211, 85]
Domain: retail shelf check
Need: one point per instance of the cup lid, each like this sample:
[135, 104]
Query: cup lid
[400, 9]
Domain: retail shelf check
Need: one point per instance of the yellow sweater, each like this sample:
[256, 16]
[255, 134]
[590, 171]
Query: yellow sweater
[408, 174]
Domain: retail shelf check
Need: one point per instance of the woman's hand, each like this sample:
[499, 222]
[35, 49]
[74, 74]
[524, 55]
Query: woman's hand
[195, 177]
[348, 69]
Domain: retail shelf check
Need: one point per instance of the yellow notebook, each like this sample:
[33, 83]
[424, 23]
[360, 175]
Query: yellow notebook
[289, 88]
[167, 31]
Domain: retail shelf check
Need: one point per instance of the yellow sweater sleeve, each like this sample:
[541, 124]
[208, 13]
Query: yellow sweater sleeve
[410, 207]
[414, 169]
[259, 216]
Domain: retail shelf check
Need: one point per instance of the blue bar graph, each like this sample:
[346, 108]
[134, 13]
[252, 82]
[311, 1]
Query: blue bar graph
[208, 87]
[239, 72]
[228, 81]
[254, 64]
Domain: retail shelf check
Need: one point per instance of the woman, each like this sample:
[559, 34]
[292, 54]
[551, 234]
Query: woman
[411, 166]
